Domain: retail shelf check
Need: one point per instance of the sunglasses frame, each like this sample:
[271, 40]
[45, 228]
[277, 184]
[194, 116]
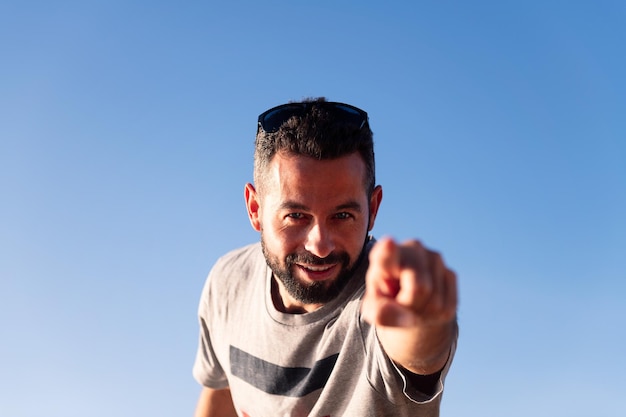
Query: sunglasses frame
[271, 120]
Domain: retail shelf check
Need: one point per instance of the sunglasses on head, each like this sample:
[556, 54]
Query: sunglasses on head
[271, 120]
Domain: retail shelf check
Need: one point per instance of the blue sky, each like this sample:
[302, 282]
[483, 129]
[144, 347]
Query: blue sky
[126, 132]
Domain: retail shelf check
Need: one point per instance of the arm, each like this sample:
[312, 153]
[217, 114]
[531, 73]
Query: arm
[411, 298]
[215, 403]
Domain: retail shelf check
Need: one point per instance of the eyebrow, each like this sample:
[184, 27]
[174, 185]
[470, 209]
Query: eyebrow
[293, 205]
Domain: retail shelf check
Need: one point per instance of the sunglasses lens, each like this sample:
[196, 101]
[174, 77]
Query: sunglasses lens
[273, 119]
[351, 114]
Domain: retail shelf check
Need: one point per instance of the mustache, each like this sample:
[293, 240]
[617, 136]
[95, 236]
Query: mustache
[310, 259]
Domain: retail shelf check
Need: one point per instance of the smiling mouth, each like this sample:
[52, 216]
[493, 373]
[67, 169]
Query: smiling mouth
[318, 272]
[317, 268]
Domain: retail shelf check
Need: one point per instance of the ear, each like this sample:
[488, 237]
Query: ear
[253, 206]
[375, 200]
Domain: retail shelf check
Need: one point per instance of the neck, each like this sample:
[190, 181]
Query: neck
[285, 303]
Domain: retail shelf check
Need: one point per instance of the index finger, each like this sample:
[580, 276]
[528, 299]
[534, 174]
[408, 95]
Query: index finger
[384, 267]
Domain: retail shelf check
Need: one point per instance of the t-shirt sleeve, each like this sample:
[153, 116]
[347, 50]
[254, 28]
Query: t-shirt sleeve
[413, 392]
[394, 383]
[207, 369]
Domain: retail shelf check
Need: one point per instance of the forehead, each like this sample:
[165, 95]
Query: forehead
[306, 178]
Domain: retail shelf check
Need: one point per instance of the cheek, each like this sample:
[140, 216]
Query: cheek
[282, 239]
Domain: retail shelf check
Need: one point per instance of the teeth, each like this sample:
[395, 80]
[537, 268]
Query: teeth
[318, 268]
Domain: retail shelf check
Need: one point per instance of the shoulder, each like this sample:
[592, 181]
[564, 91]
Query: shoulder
[237, 267]
[249, 255]
[238, 261]
[233, 274]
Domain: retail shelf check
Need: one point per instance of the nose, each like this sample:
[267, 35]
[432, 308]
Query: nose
[319, 241]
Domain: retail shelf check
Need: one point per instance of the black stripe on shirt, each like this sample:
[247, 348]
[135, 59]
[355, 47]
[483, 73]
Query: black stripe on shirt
[279, 380]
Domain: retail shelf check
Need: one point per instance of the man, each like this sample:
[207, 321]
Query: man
[318, 319]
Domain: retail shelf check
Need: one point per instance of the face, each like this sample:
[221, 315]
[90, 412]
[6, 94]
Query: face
[314, 216]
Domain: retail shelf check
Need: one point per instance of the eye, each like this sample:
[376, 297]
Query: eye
[295, 216]
[343, 215]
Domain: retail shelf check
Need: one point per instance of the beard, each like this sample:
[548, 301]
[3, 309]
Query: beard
[316, 292]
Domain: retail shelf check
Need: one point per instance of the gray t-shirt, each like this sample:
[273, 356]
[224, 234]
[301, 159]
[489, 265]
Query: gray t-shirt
[325, 363]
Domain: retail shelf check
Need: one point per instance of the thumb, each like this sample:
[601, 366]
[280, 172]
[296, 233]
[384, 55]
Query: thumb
[392, 314]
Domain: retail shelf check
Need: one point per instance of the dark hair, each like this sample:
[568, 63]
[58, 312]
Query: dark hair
[317, 134]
